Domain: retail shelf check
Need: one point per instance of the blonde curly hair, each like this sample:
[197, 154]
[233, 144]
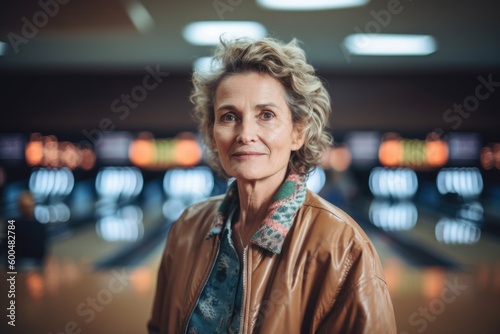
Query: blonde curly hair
[305, 94]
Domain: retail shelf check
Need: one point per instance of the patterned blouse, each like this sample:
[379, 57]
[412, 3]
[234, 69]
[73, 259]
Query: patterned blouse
[219, 306]
[218, 309]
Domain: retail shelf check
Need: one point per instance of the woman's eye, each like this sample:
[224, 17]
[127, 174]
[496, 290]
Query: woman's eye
[228, 118]
[267, 115]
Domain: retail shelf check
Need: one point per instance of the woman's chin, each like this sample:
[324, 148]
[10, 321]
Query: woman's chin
[254, 175]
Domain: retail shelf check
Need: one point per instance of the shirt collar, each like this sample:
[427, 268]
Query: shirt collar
[279, 218]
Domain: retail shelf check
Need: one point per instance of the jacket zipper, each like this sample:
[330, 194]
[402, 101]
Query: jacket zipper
[203, 287]
[243, 300]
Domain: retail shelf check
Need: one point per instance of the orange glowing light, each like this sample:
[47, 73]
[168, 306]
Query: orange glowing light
[88, 159]
[47, 151]
[51, 153]
[436, 152]
[187, 152]
[36, 286]
[490, 156]
[487, 159]
[148, 152]
[70, 155]
[34, 153]
[142, 152]
[340, 158]
[395, 151]
[496, 155]
[390, 153]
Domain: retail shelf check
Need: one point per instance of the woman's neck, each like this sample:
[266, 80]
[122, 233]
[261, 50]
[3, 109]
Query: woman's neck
[255, 198]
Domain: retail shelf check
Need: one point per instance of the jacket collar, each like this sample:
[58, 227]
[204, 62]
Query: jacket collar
[279, 218]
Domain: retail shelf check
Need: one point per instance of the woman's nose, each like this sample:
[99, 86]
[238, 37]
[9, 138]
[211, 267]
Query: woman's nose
[248, 131]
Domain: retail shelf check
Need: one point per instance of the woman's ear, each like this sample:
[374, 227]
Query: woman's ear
[298, 137]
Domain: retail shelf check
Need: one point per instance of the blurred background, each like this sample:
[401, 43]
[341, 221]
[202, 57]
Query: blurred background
[99, 153]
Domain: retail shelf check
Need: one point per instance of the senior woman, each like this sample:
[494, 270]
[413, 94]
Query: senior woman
[269, 256]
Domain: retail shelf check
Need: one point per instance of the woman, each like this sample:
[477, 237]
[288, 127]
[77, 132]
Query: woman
[269, 256]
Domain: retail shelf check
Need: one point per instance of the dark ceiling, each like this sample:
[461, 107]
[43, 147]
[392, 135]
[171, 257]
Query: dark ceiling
[100, 34]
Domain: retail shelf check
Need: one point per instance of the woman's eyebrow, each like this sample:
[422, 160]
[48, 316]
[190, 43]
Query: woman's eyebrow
[257, 106]
[264, 105]
[225, 107]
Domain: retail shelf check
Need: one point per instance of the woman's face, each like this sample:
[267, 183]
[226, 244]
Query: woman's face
[253, 129]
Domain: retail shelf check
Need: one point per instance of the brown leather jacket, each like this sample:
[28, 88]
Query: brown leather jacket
[327, 279]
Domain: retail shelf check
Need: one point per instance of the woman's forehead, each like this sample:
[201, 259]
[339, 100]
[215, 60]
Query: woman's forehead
[258, 87]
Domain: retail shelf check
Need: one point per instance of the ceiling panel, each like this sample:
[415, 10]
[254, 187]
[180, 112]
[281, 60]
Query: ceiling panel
[100, 34]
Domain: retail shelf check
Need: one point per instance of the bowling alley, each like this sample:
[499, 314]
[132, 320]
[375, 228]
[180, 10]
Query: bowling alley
[249, 166]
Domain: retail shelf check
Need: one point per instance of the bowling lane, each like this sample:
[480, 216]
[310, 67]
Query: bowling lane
[115, 218]
[110, 228]
[99, 271]
[433, 238]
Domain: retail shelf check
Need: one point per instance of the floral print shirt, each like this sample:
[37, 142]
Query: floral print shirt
[219, 306]
[218, 309]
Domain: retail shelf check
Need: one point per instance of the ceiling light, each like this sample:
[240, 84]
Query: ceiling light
[310, 5]
[142, 20]
[205, 65]
[209, 32]
[390, 45]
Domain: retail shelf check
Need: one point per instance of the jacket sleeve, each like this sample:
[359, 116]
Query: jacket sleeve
[154, 323]
[363, 304]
